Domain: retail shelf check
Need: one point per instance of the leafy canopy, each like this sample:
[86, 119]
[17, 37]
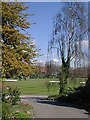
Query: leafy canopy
[18, 50]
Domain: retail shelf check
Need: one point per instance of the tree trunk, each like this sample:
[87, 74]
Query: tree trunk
[64, 77]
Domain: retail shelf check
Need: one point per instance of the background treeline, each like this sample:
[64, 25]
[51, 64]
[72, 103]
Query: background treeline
[51, 69]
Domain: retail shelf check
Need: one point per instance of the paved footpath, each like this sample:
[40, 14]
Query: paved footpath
[51, 109]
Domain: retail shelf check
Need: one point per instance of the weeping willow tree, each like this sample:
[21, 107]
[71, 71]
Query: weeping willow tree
[88, 81]
[69, 30]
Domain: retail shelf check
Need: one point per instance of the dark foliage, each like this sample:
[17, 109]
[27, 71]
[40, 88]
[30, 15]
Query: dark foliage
[81, 97]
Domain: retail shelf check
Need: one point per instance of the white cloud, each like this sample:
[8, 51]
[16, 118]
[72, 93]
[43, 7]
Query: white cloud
[85, 43]
[40, 62]
[55, 60]
[85, 46]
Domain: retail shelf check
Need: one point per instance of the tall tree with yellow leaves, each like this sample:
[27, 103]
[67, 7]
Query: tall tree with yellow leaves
[18, 50]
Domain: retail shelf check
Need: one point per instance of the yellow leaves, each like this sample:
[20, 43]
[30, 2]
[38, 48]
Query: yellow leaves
[17, 49]
[12, 36]
[11, 12]
[11, 63]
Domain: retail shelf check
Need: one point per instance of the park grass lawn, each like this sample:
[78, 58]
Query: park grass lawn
[38, 86]
[76, 83]
[34, 87]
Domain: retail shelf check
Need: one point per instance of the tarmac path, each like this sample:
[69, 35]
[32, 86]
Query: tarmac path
[44, 108]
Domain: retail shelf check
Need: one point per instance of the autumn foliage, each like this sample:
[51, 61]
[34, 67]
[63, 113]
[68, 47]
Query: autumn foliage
[18, 50]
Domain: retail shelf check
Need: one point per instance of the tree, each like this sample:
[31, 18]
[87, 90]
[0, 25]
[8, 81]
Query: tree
[88, 81]
[69, 30]
[40, 70]
[18, 50]
[52, 69]
[0, 60]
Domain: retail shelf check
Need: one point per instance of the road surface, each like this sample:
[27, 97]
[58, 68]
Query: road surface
[44, 108]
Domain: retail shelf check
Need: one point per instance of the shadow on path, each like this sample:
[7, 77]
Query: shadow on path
[61, 103]
[52, 108]
[44, 100]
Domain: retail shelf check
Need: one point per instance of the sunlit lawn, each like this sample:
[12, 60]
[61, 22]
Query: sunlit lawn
[38, 86]
[34, 87]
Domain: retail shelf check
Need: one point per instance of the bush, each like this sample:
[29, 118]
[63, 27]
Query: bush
[53, 97]
[80, 96]
[11, 95]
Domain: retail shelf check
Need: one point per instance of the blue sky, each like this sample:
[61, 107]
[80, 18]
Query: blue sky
[45, 13]
[44, 16]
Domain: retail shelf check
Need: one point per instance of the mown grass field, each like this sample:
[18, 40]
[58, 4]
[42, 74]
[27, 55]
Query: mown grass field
[33, 87]
[39, 86]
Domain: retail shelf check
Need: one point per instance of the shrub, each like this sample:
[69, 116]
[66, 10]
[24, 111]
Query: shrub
[53, 97]
[11, 95]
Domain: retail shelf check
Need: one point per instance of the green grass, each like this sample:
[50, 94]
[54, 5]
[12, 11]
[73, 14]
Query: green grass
[76, 83]
[19, 111]
[22, 110]
[38, 86]
[34, 87]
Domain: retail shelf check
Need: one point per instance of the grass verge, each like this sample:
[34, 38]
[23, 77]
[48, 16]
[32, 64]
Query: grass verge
[19, 111]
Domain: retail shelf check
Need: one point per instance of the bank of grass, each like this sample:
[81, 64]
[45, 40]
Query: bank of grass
[22, 111]
[18, 111]
[39, 86]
